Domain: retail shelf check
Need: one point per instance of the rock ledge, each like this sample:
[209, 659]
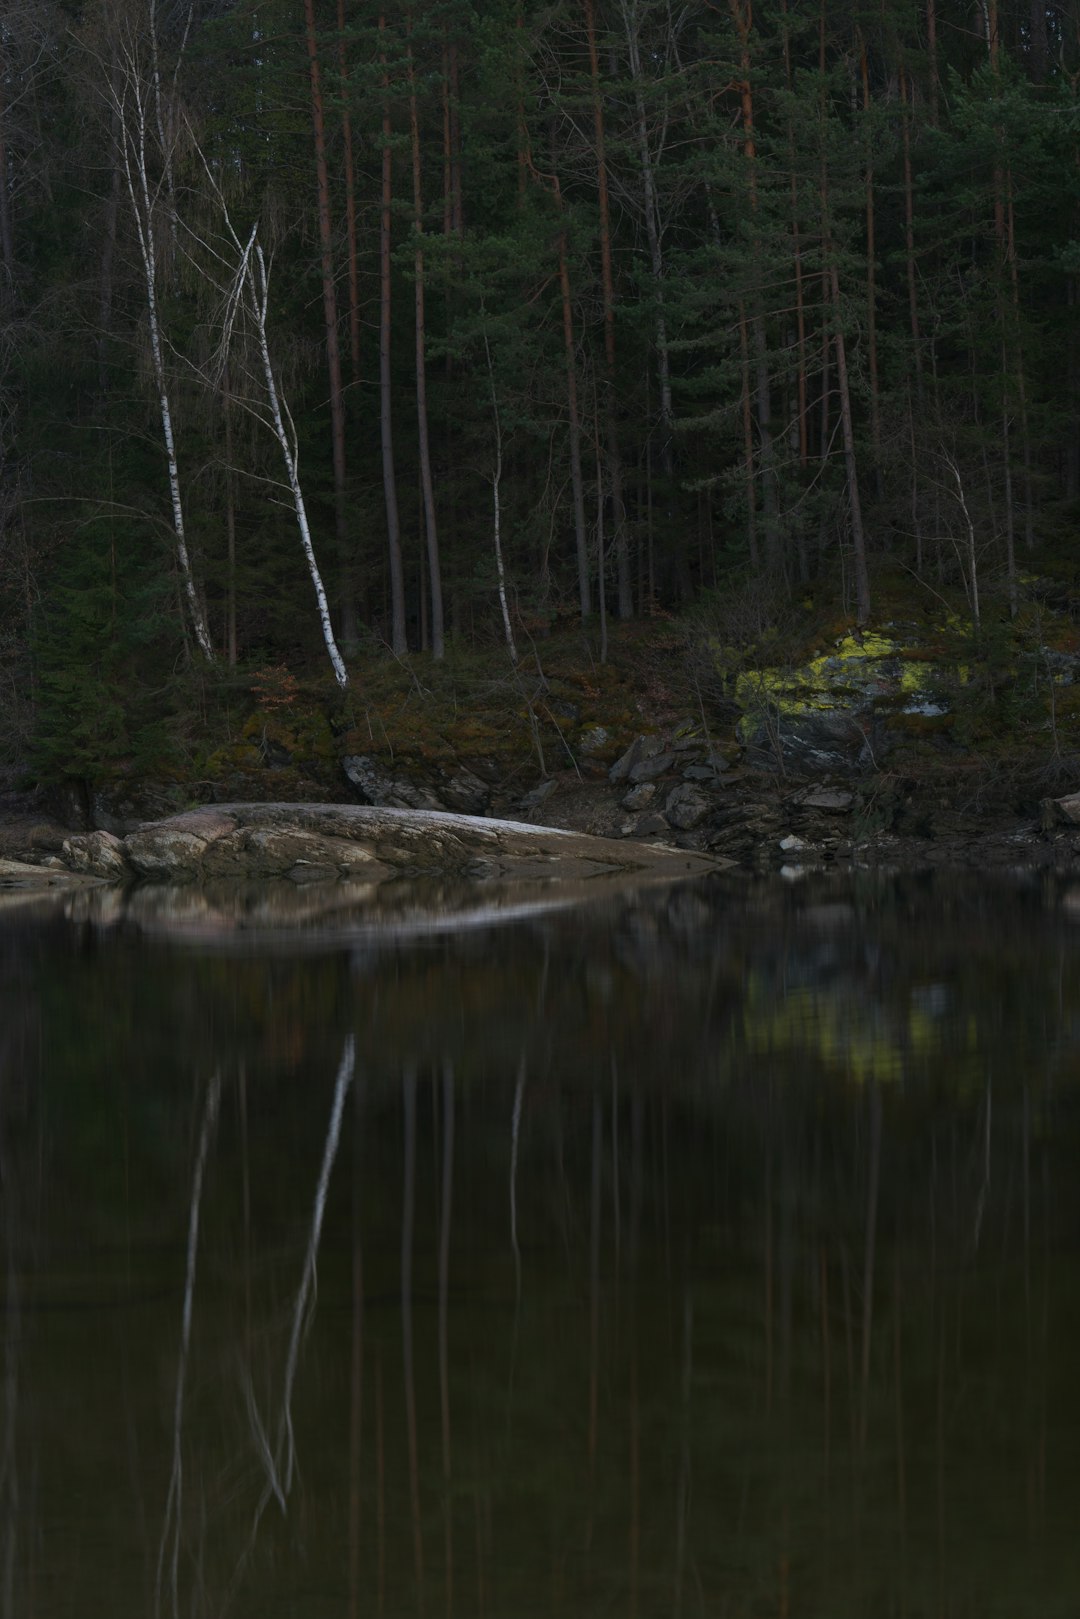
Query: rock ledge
[321, 842]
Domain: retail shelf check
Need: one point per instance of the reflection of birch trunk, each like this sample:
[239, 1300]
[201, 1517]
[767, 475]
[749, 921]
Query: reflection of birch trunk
[683, 1501]
[635, 1480]
[380, 1486]
[515, 1140]
[356, 1384]
[10, 1503]
[870, 1256]
[594, 1306]
[901, 1459]
[169, 1550]
[304, 1297]
[280, 1462]
[408, 1218]
[444, 1344]
[826, 1369]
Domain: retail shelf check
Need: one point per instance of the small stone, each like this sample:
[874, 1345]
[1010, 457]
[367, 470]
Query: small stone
[699, 773]
[594, 739]
[791, 842]
[828, 798]
[640, 797]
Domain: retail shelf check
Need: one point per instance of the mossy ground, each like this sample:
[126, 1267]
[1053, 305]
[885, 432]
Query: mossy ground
[1009, 695]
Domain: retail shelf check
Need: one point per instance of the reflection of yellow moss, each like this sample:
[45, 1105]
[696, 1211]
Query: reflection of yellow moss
[844, 1037]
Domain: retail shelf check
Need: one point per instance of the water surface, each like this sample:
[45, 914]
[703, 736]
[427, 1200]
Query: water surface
[701, 1250]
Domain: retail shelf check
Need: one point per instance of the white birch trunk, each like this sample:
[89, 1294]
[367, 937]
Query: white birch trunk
[134, 158]
[259, 293]
[496, 486]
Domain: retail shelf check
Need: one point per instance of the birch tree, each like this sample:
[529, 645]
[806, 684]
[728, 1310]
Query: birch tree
[132, 90]
[246, 297]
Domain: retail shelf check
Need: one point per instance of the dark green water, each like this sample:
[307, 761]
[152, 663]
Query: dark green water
[702, 1251]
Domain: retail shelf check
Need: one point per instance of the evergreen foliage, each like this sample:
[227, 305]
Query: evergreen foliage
[846, 281]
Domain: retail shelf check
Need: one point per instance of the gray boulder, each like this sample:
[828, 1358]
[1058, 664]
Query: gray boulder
[1060, 811]
[648, 769]
[687, 806]
[97, 854]
[466, 793]
[642, 748]
[377, 787]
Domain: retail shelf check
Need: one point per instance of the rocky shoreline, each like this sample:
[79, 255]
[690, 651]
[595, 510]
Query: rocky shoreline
[670, 801]
[315, 843]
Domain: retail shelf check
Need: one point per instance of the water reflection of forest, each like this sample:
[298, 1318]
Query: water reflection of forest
[705, 1252]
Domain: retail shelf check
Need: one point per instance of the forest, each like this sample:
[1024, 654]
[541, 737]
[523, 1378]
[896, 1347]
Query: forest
[334, 334]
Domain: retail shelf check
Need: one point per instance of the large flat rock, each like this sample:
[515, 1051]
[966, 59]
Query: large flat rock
[319, 842]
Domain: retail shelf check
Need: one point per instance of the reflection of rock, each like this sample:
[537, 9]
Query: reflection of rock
[229, 913]
[19, 874]
[310, 842]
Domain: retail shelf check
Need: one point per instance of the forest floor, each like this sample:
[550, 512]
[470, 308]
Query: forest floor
[791, 743]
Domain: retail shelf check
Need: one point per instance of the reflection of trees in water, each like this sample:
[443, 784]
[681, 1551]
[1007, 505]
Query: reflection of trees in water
[723, 1322]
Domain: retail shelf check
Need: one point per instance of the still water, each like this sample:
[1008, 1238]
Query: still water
[703, 1250]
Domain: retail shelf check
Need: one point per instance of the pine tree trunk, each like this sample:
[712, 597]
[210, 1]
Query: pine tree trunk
[349, 633]
[750, 479]
[577, 484]
[651, 208]
[909, 237]
[741, 14]
[7, 234]
[796, 247]
[108, 259]
[427, 487]
[458, 220]
[398, 640]
[932, 55]
[1021, 379]
[871, 276]
[614, 457]
[349, 169]
[858, 539]
[230, 524]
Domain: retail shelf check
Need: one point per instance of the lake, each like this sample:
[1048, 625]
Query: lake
[644, 1250]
